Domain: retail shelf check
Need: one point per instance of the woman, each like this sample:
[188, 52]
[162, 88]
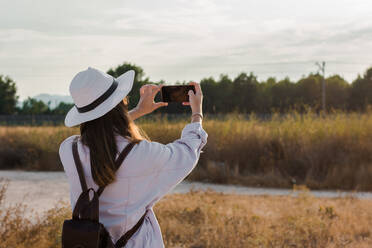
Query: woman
[149, 171]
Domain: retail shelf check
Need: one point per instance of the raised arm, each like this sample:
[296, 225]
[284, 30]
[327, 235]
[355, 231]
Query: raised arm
[146, 104]
[169, 164]
[177, 159]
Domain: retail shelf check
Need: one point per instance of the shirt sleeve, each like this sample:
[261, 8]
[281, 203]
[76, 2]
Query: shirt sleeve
[172, 162]
[65, 154]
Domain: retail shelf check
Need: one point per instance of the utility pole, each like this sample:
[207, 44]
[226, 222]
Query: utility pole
[322, 69]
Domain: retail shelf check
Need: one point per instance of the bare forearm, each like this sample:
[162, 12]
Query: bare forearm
[135, 113]
[196, 119]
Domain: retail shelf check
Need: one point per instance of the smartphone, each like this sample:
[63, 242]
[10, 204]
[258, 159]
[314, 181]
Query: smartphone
[176, 93]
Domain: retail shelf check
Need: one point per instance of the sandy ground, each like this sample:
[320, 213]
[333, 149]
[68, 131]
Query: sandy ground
[43, 190]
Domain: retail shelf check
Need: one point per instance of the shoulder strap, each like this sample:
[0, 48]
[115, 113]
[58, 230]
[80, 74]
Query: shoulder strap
[118, 162]
[122, 241]
[78, 165]
[123, 155]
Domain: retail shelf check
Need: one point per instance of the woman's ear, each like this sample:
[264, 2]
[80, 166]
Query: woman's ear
[125, 100]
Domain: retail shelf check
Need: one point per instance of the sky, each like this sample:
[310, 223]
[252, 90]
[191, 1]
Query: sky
[44, 43]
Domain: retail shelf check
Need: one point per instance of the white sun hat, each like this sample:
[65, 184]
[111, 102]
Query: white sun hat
[95, 93]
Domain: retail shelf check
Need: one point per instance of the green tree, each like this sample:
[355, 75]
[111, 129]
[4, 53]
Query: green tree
[32, 106]
[309, 92]
[139, 80]
[337, 92]
[264, 99]
[361, 92]
[224, 99]
[283, 95]
[244, 93]
[8, 95]
[62, 108]
[120, 69]
[211, 86]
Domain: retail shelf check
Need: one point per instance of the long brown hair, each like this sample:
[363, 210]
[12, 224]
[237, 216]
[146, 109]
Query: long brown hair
[99, 136]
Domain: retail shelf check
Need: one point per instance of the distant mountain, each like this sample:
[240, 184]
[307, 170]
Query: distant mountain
[53, 99]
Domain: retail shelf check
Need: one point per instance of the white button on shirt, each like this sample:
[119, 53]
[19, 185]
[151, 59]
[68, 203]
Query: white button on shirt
[149, 172]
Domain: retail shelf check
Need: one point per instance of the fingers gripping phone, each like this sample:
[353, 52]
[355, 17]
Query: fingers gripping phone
[176, 93]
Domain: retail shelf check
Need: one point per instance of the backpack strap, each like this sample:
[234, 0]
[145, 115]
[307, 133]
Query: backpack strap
[118, 162]
[123, 240]
[79, 166]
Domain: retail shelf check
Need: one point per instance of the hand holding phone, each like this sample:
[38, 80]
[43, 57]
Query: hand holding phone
[176, 93]
[190, 95]
[196, 99]
[146, 103]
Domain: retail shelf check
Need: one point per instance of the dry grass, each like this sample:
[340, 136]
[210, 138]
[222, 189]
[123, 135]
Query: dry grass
[17, 231]
[215, 220]
[209, 219]
[334, 152]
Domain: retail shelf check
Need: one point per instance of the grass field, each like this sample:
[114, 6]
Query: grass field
[332, 152]
[209, 219]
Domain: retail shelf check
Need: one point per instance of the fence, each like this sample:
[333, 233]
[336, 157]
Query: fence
[55, 120]
[31, 120]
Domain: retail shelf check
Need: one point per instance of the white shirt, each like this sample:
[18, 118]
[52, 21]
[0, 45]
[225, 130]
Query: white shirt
[148, 173]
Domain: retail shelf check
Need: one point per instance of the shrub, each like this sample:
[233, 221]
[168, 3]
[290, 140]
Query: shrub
[330, 152]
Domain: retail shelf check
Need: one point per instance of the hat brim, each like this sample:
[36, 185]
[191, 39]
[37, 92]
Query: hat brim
[125, 83]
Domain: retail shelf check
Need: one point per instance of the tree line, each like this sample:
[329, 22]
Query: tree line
[243, 94]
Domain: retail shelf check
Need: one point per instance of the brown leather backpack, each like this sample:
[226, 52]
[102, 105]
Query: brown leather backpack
[84, 229]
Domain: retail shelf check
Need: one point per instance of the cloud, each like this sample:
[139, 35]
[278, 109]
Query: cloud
[44, 43]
